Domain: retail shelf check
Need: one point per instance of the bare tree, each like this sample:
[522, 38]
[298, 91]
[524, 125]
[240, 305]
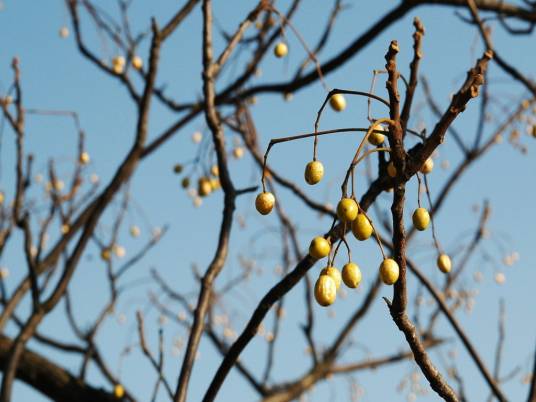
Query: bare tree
[60, 221]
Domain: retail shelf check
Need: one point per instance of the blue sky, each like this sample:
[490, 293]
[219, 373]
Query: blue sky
[56, 77]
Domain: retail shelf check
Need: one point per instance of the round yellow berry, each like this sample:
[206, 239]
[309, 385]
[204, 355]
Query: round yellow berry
[319, 248]
[84, 158]
[347, 210]
[135, 231]
[391, 169]
[238, 152]
[265, 202]
[65, 228]
[280, 50]
[215, 184]
[106, 254]
[389, 271]
[361, 227]
[137, 62]
[64, 32]
[119, 391]
[427, 166]
[443, 263]
[314, 171]
[337, 102]
[335, 275]
[377, 138]
[118, 64]
[421, 219]
[351, 275]
[204, 187]
[325, 290]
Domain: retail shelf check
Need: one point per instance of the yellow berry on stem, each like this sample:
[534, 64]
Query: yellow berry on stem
[204, 187]
[443, 263]
[265, 202]
[421, 219]
[314, 171]
[319, 248]
[325, 290]
[377, 138]
[389, 271]
[119, 391]
[427, 166]
[337, 102]
[361, 227]
[280, 50]
[137, 62]
[106, 254]
[84, 158]
[238, 152]
[351, 275]
[347, 210]
[335, 275]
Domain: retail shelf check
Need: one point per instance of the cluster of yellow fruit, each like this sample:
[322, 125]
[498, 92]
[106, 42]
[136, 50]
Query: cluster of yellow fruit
[330, 278]
[348, 212]
[118, 63]
[205, 184]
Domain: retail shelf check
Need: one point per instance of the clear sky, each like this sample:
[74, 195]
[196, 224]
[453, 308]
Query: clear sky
[56, 77]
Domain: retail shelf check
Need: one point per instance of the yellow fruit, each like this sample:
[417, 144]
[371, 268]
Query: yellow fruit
[443, 263]
[84, 158]
[64, 32]
[325, 290]
[337, 102]
[314, 171]
[335, 275]
[204, 187]
[119, 250]
[351, 275]
[197, 137]
[2, 197]
[533, 130]
[361, 227]
[377, 138]
[119, 391]
[265, 202]
[118, 64]
[347, 210]
[105, 254]
[389, 271]
[238, 152]
[319, 248]
[65, 228]
[215, 184]
[134, 231]
[427, 166]
[280, 50]
[215, 170]
[137, 62]
[391, 170]
[185, 183]
[421, 219]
